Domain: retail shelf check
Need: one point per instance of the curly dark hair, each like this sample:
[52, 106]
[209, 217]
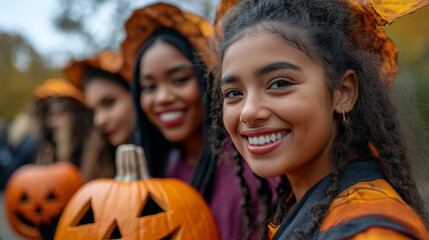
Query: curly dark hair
[323, 29]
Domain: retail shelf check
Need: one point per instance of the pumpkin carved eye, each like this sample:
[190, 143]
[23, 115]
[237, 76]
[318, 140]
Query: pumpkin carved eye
[150, 208]
[51, 196]
[86, 216]
[24, 197]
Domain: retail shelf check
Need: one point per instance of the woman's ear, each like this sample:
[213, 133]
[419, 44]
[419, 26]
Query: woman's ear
[346, 92]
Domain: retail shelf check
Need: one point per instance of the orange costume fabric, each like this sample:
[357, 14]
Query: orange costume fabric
[367, 208]
[375, 199]
[372, 201]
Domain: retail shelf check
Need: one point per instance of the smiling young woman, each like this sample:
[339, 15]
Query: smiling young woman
[258, 106]
[303, 95]
[170, 95]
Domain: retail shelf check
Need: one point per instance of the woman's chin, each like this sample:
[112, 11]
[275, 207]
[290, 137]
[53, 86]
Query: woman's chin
[265, 171]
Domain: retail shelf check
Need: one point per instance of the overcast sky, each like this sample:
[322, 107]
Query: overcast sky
[33, 20]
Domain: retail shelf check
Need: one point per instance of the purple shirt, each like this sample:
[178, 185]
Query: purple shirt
[226, 195]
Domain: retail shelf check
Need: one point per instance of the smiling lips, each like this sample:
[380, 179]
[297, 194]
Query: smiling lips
[110, 133]
[264, 143]
[172, 118]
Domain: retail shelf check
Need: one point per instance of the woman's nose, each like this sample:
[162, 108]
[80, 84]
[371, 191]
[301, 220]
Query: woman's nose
[100, 119]
[253, 111]
[164, 95]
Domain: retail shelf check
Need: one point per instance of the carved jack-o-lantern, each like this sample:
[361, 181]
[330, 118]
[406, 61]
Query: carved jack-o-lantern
[36, 194]
[133, 206]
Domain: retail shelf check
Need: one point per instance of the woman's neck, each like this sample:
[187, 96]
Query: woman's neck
[192, 147]
[306, 176]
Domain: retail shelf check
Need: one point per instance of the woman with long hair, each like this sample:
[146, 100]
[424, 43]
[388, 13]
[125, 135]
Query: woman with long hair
[304, 96]
[107, 95]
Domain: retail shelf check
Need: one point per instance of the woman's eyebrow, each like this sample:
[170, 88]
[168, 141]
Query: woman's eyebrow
[178, 68]
[276, 66]
[169, 71]
[145, 76]
[264, 70]
[228, 79]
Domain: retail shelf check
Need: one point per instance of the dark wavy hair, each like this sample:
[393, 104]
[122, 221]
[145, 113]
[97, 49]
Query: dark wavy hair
[323, 29]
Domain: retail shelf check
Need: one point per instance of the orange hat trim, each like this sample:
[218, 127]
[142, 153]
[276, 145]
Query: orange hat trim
[56, 87]
[144, 22]
[106, 60]
[392, 9]
[222, 10]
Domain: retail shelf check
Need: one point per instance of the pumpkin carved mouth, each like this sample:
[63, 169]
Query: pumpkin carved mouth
[172, 234]
[25, 220]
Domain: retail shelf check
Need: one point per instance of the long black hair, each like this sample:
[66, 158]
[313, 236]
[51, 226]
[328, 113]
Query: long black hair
[150, 138]
[325, 30]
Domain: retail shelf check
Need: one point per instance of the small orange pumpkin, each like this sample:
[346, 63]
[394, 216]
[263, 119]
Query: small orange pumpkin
[134, 206]
[35, 194]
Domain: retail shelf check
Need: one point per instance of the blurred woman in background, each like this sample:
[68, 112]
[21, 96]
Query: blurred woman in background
[63, 119]
[107, 95]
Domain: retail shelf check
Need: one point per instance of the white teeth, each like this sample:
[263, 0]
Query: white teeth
[266, 139]
[273, 137]
[169, 116]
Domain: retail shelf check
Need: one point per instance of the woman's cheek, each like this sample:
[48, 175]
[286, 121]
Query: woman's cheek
[230, 119]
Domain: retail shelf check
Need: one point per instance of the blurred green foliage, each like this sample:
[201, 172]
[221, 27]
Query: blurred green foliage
[411, 88]
[21, 69]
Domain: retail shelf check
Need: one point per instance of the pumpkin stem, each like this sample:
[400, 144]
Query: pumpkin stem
[45, 154]
[131, 163]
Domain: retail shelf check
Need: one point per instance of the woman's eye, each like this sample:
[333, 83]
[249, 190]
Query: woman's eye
[280, 83]
[232, 93]
[109, 103]
[181, 80]
[148, 87]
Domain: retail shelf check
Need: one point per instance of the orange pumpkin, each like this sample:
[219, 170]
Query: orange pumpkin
[35, 194]
[133, 206]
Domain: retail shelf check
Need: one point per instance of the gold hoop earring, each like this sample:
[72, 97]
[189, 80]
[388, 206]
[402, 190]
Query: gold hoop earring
[344, 118]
